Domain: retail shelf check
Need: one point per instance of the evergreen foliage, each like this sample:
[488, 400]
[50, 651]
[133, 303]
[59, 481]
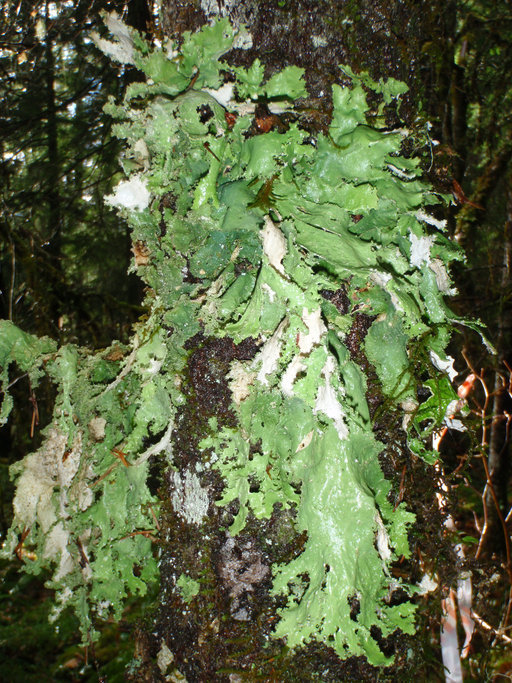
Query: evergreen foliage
[58, 159]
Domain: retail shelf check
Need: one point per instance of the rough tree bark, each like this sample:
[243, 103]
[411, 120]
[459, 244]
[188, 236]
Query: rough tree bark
[499, 441]
[224, 635]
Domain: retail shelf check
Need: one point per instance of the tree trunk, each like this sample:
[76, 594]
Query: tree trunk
[495, 497]
[224, 634]
[54, 228]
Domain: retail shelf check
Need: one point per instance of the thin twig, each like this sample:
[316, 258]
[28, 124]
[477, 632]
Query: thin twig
[126, 369]
[158, 447]
[488, 627]
[25, 374]
[154, 516]
[489, 487]
[105, 474]
[500, 515]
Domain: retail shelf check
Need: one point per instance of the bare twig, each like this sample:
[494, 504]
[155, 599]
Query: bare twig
[489, 492]
[487, 627]
[154, 517]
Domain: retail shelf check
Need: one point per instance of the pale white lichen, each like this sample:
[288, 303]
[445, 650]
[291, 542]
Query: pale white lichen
[103, 608]
[240, 381]
[57, 546]
[130, 194]
[444, 365]
[269, 355]
[420, 249]
[189, 500]
[449, 418]
[327, 400]
[163, 445]
[47, 493]
[164, 658]
[33, 498]
[274, 244]
[80, 491]
[442, 277]
[154, 366]
[123, 49]
[269, 292]
[427, 218]
[61, 600]
[426, 585]
[222, 95]
[290, 375]
[243, 40]
[96, 428]
[141, 152]
[382, 539]
[54, 464]
[316, 329]
[380, 278]
[400, 173]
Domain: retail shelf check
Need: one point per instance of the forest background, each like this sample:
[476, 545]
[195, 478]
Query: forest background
[64, 255]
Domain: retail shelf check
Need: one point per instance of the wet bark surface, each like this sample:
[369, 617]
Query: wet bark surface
[224, 634]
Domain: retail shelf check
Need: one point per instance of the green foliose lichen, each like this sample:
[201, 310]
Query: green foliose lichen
[242, 235]
[189, 587]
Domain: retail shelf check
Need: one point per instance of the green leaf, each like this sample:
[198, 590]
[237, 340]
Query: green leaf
[261, 154]
[417, 446]
[358, 156]
[219, 249]
[344, 252]
[438, 311]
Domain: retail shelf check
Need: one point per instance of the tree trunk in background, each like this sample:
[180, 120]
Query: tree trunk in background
[224, 635]
[499, 442]
[139, 15]
[53, 248]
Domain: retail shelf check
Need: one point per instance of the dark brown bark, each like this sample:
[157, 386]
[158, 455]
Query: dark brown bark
[139, 16]
[498, 462]
[225, 633]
